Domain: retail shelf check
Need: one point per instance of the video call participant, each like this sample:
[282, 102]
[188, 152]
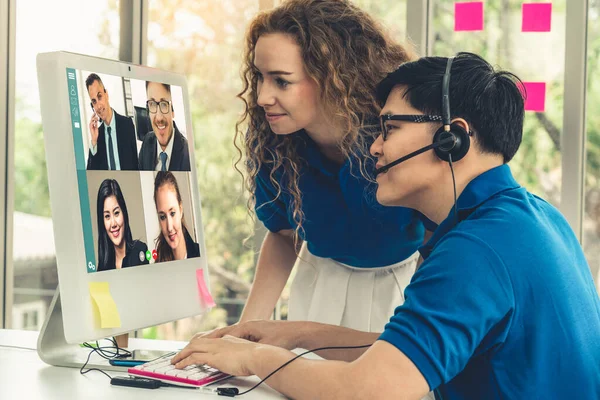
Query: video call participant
[165, 148]
[116, 248]
[113, 142]
[174, 242]
[503, 306]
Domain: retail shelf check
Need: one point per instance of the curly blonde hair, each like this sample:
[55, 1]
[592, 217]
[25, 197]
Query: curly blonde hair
[346, 53]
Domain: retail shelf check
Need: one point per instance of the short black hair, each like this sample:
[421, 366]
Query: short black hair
[168, 87]
[91, 79]
[490, 100]
[106, 249]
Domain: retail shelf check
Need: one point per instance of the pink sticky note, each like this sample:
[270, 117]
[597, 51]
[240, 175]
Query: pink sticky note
[468, 16]
[203, 292]
[537, 17]
[535, 96]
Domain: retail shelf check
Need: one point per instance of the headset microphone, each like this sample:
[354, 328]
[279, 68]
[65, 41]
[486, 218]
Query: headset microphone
[451, 142]
[440, 143]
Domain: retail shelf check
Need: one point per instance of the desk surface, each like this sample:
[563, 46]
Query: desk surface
[24, 376]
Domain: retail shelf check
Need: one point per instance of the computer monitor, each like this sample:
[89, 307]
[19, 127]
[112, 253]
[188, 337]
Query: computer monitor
[126, 217]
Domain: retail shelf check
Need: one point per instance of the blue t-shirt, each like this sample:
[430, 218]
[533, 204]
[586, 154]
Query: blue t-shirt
[504, 305]
[342, 219]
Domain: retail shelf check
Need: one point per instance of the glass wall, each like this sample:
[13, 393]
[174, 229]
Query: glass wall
[591, 219]
[538, 57]
[391, 13]
[203, 40]
[81, 26]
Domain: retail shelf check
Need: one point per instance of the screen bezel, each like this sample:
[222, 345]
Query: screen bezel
[145, 296]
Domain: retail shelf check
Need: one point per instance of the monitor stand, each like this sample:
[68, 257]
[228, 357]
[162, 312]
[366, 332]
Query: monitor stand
[53, 348]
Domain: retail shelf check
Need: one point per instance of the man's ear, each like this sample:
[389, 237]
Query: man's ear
[462, 123]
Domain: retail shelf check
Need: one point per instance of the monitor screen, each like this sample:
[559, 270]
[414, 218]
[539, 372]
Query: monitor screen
[133, 170]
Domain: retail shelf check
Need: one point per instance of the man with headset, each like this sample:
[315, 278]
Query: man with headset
[503, 306]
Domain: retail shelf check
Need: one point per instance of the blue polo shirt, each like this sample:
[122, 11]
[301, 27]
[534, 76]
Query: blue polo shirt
[504, 305]
[342, 219]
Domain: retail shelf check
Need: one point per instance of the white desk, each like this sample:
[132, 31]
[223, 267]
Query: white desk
[24, 376]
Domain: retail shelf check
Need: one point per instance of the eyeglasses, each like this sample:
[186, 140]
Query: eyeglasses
[407, 118]
[153, 106]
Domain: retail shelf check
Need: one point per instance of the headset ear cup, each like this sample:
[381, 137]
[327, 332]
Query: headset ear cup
[459, 149]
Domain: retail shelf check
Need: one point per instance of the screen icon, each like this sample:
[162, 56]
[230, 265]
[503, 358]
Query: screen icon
[142, 256]
[154, 254]
[148, 255]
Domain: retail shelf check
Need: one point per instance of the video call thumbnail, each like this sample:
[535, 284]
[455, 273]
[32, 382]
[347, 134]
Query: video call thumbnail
[137, 178]
[141, 218]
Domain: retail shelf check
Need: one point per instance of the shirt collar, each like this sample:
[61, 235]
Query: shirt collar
[168, 149]
[307, 148]
[113, 124]
[477, 192]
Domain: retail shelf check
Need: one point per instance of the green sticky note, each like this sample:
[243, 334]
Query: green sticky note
[105, 310]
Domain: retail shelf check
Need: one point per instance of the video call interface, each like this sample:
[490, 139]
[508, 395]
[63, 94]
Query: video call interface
[133, 167]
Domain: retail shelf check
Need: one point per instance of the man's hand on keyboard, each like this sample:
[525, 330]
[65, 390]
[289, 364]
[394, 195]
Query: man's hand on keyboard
[229, 354]
[285, 334]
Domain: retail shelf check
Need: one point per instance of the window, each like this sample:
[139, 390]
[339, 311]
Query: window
[591, 219]
[533, 57]
[82, 26]
[391, 13]
[203, 40]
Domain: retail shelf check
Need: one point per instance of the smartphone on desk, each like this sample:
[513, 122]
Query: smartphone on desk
[139, 357]
[126, 363]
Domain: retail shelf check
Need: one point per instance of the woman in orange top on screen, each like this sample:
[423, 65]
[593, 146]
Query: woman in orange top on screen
[174, 242]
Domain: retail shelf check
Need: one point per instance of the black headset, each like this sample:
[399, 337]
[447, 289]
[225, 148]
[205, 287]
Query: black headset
[458, 147]
[451, 141]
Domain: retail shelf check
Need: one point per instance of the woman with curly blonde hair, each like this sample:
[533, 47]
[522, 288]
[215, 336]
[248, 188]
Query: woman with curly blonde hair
[310, 72]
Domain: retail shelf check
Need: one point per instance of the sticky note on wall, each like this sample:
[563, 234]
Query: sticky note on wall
[468, 16]
[205, 297]
[106, 314]
[537, 17]
[535, 96]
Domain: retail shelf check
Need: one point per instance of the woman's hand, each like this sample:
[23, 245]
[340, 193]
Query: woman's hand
[229, 354]
[285, 334]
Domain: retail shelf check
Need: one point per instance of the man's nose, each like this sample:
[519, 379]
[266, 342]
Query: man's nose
[377, 147]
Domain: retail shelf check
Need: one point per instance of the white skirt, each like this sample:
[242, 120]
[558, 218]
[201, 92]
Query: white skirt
[330, 292]
[364, 299]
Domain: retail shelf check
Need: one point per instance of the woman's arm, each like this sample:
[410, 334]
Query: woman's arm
[275, 263]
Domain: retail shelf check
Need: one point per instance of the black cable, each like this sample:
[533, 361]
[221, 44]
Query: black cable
[113, 352]
[232, 394]
[109, 354]
[82, 372]
[454, 186]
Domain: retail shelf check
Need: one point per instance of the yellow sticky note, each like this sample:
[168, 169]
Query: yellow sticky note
[105, 309]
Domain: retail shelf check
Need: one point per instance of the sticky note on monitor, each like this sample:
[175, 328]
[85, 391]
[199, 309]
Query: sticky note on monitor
[205, 297]
[537, 17]
[468, 16]
[535, 96]
[106, 314]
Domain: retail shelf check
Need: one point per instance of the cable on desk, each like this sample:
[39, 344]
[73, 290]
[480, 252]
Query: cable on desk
[232, 392]
[106, 352]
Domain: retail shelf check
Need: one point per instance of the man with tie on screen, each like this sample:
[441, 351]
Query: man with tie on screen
[165, 148]
[113, 145]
